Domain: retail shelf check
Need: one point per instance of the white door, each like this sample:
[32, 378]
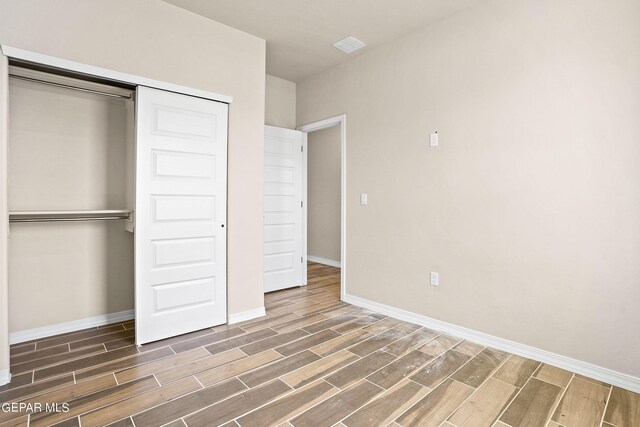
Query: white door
[284, 263]
[181, 193]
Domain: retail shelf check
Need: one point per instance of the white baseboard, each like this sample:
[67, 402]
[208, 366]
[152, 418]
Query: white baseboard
[74, 325]
[5, 377]
[247, 315]
[324, 261]
[609, 376]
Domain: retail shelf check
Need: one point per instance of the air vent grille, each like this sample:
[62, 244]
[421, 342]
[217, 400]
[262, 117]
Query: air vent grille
[349, 44]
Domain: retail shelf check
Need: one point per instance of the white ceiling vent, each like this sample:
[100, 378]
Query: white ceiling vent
[349, 44]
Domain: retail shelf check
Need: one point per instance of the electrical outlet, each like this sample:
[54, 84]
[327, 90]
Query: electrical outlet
[434, 279]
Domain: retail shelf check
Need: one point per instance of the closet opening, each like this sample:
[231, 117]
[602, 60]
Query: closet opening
[71, 198]
[117, 203]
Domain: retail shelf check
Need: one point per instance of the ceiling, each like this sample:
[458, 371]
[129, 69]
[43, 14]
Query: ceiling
[300, 33]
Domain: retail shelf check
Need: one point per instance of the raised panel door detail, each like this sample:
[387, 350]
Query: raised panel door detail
[179, 295]
[278, 174]
[172, 252]
[278, 203]
[168, 164]
[278, 262]
[183, 208]
[281, 146]
[184, 123]
[278, 233]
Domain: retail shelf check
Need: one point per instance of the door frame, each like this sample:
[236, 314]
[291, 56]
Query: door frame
[341, 121]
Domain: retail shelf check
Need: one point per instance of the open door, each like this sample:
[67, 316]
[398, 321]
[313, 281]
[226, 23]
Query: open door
[284, 263]
[180, 234]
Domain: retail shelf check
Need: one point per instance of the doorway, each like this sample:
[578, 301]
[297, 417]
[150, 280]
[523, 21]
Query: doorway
[287, 218]
[325, 213]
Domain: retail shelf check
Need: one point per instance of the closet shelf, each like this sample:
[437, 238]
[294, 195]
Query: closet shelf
[53, 216]
[66, 86]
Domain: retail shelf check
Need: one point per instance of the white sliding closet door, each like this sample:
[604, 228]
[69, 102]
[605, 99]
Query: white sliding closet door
[283, 210]
[180, 234]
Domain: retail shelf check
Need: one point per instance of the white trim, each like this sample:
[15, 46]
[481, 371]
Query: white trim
[323, 124]
[246, 315]
[5, 377]
[305, 212]
[324, 261]
[4, 221]
[91, 70]
[609, 376]
[74, 325]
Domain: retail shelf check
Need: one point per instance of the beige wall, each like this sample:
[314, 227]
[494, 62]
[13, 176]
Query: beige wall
[160, 41]
[323, 193]
[68, 151]
[529, 208]
[280, 102]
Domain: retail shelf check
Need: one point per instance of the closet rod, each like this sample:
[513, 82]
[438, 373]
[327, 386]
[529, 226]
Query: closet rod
[103, 218]
[61, 85]
[60, 216]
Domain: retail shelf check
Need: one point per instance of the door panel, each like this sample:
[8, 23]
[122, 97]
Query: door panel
[283, 225]
[180, 234]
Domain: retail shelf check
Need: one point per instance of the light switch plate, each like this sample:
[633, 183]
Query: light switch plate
[433, 139]
[363, 199]
[435, 279]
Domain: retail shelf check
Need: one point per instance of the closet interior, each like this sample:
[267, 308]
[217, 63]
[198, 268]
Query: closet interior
[71, 197]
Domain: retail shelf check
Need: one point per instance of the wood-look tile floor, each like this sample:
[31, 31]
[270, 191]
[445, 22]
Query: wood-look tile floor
[312, 361]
